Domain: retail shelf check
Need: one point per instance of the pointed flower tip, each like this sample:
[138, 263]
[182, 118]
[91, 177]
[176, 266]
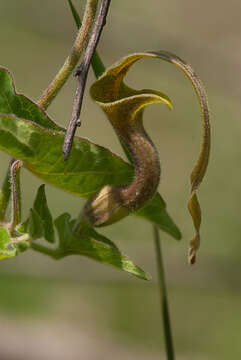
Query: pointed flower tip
[163, 98]
[191, 257]
[194, 246]
[169, 104]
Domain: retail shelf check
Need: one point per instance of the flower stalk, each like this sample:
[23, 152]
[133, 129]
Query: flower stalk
[163, 296]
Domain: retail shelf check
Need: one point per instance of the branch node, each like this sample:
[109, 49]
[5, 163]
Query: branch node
[79, 70]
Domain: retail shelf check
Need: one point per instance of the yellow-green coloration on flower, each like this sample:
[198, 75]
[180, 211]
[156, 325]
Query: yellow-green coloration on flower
[124, 108]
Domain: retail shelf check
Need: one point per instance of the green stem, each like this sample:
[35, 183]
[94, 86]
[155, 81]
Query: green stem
[5, 194]
[54, 253]
[70, 63]
[163, 296]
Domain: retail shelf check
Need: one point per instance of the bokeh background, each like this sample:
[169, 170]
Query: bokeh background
[79, 309]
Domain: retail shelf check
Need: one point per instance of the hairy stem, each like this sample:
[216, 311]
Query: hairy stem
[16, 194]
[96, 62]
[163, 296]
[5, 194]
[70, 63]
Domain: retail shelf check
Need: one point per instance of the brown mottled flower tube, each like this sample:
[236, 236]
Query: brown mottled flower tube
[125, 113]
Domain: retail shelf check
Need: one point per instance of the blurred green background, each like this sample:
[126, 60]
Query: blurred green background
[79, 309]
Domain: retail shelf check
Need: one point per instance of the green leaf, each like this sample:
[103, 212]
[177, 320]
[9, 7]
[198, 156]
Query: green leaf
[35, 225]
[103, 251]
[95, 235]
[75, 14]
[155, 211]
[6, 249]
[23, 227]
[41, 208]
[40, 221]
[20, 105]
[89, 168]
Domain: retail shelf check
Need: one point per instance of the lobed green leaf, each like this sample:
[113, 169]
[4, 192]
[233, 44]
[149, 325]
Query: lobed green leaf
[155, 211]
[105, 252]
[41, 208]
[35, 225]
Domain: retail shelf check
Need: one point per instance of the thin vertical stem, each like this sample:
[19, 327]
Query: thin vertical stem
[16, 194]
[5, 194]
[163, 296]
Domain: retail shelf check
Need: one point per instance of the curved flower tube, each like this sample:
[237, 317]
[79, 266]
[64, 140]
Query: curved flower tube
[126, 115]
[124, 109]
